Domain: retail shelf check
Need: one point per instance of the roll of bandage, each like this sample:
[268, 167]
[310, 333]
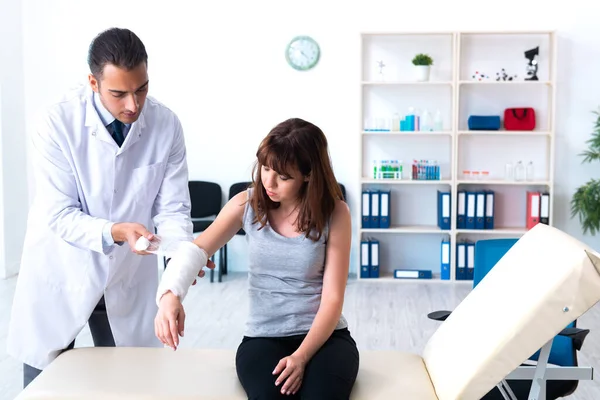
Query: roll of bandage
[142, 244]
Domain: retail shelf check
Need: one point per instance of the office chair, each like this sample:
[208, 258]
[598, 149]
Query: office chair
[343, 189]
[206, 199]
[562, 349]
[233, 190]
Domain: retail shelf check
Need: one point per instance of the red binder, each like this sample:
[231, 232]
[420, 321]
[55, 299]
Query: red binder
[533, 209]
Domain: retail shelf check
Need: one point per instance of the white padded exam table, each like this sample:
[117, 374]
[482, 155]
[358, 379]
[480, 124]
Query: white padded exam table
[544, 282]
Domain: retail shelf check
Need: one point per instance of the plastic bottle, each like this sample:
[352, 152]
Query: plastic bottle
[426, 121]
[396, 122]
[529, 172]
[509, 174]
[438, 122]
[376, 169]
[520, 171]
[396, 169]
[385, 165]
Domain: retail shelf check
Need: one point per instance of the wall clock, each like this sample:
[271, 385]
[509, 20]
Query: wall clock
[302, 53]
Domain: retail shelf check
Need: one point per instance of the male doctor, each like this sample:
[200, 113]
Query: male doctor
[110, 165]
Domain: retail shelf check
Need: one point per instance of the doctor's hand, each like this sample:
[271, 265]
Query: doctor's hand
[169, 321]
[130, 232]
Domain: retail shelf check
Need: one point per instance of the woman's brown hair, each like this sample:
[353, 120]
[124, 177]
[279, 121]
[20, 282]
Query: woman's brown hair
[296, 143]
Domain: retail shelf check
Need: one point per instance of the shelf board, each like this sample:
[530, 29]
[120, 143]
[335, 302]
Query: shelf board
[407, 133]
[387, 278]
[406, 229]
[504, 33]
[507, 133]
[401, 83]
[537, 83]
[405, 182]
[506, 231]
[407, 33]
[502, 182]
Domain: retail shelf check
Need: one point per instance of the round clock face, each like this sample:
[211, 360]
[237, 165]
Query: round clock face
[302, 53]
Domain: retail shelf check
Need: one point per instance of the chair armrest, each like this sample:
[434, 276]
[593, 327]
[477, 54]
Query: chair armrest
[578, 335]
[439, 315]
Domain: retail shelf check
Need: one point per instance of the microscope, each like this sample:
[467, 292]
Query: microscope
[532, 67]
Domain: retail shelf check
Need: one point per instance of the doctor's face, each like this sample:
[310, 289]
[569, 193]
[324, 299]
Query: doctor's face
[122, 92]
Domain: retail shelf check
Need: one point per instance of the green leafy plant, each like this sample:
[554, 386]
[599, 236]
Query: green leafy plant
[422, 59]
[585, 202]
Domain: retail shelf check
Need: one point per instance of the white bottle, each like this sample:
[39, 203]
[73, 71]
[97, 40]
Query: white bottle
[529, 172]
[395, 122]
[438, 122]
[509, 172]
[520, 171]
[426, 121]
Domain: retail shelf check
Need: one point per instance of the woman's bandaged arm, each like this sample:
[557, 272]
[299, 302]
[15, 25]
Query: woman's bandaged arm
[183, 268]
[190, 258]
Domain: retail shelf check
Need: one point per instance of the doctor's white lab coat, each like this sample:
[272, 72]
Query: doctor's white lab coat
[83, 180]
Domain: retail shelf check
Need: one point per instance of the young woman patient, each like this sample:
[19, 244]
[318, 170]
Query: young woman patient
[297, 343]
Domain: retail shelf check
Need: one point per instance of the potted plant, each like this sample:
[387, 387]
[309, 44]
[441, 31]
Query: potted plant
[422, 63]
[585, 202]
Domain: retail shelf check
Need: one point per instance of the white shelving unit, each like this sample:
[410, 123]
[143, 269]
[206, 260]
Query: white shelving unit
[413, 240]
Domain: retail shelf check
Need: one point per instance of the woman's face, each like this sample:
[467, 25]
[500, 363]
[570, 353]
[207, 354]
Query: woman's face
[281, 188]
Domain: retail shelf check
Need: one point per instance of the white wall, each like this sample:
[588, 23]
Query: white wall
[221, 67]
[13, 154]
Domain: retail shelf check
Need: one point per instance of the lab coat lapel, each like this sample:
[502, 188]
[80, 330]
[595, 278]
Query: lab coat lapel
[134, 134]
[93, 123]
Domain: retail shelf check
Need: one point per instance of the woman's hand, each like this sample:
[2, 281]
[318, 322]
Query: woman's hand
[293, 372]
[169, 321]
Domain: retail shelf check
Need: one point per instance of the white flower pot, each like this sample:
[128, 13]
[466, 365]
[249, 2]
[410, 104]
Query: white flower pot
[422, 72]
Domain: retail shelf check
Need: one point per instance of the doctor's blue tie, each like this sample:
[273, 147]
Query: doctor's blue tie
[117, 131]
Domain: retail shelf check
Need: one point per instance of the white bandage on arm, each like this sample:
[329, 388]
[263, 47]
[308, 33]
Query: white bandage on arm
[186, 263]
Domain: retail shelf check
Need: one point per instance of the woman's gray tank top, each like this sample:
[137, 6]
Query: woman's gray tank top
[285, 280]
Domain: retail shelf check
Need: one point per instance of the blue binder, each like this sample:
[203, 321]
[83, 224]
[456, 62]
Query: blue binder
[374, 258]
[374, 208]
[489, 210]
[384, 208]
[445, 260]
[461, 210]
[365, 259]
[366, 209]
[471, 207]
[461, 261]
[444, 207]
[480, 210]
[470, 260]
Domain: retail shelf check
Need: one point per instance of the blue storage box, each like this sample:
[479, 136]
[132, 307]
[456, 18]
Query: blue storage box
[484, 122]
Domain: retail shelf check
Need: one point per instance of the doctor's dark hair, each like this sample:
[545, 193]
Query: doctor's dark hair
[120, 47]
[298, 144]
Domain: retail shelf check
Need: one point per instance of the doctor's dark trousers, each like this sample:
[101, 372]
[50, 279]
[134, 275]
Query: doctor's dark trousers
[101, 334]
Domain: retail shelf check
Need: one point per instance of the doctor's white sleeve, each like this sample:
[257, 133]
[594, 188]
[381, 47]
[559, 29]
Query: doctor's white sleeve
[172, 206]
[57, 202]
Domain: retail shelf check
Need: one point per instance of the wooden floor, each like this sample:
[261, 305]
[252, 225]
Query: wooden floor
[381, 315]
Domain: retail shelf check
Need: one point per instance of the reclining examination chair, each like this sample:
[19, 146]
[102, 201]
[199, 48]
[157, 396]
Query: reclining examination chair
[543, 283]
[562, 350]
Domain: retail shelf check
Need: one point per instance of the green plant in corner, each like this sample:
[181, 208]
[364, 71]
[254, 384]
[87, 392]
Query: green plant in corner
[422, 59]
[586, 200]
